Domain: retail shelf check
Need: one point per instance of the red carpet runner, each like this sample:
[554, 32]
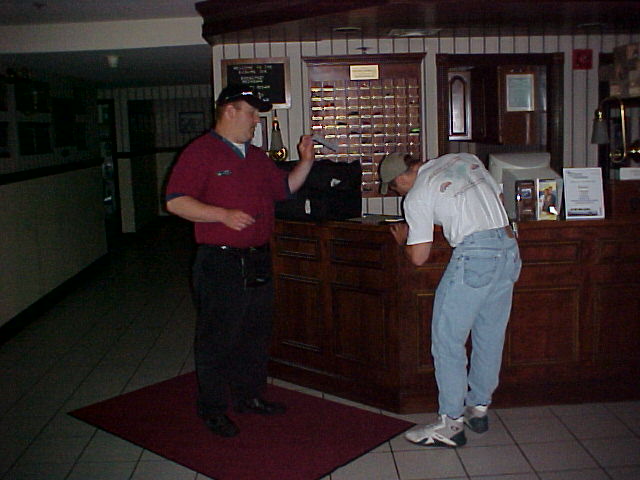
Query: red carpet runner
[311, 440]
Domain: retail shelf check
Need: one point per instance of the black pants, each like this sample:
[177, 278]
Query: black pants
[233, 329]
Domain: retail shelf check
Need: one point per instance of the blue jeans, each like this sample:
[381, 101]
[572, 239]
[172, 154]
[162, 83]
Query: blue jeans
[474, 296]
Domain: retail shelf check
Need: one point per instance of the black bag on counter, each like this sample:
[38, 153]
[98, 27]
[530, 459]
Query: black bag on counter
[335, 176]
[331, 192]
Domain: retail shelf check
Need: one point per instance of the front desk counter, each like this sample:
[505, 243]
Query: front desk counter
[353, 314]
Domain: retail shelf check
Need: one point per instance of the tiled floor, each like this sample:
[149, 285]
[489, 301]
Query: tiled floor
[131, 325]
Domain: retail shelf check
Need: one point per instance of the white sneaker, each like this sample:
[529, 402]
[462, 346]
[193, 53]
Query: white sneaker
[445, 433]
[476, 418]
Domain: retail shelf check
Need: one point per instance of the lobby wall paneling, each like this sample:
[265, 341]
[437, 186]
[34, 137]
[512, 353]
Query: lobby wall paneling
[580, 86]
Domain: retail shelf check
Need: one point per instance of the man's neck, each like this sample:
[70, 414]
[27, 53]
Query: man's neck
[240, 148]
[227, 134]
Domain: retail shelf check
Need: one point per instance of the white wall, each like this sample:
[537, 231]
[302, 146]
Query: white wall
[68, 37]
[52, 227]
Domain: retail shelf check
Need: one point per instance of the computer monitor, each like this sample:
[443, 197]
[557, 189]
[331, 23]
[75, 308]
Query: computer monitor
[498, 162]
[508, 168]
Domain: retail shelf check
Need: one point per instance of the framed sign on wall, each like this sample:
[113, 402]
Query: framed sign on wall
[269, 77]
[191, 122]
[520, 92]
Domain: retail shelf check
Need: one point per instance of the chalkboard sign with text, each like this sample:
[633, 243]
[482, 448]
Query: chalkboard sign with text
[268, 77]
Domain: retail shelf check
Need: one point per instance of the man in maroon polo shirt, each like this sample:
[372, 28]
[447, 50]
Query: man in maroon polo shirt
[228, 188]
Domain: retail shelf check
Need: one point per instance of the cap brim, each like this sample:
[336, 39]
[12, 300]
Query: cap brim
[252, 100]
[261, 105]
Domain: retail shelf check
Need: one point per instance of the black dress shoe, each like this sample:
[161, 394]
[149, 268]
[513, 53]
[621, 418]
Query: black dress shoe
[222, 425]
[260, 406]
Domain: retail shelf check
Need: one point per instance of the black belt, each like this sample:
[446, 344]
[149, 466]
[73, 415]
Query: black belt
[256, 268]
[239, 251]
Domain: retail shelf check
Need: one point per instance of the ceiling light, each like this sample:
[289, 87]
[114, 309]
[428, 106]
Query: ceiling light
[347, 29]
[113, 60]
[413, 32]
[591, 25]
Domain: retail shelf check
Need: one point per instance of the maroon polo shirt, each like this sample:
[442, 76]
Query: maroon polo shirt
[214, 172]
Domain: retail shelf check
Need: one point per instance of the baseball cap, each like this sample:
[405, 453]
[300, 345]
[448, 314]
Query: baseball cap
[239, 91]
[392, 165]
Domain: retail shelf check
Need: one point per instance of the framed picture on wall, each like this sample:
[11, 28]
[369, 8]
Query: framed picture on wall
[191, 122]
[268, 77]
[519, 92]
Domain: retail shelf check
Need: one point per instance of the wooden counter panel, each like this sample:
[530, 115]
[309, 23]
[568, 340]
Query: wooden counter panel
[353, 315]
[550, 252]
[359, 254]
[544, 275]
[616, 326]
[298, 252]
[302, 336]
[351, 275]
[422, 321]
[360, 326]
[360, 259]
[297, 247]
[618, 250]
[298, 267]
[420, 278]
[544, 327]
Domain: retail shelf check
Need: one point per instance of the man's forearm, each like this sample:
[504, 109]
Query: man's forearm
[418, 254]
[195, 211]
[299, 174]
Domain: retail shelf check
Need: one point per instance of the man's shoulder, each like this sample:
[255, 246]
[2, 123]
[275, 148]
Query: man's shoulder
[453, 158]
[202, 140]
[204, 143]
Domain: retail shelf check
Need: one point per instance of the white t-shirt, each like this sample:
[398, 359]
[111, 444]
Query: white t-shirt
[457, 192]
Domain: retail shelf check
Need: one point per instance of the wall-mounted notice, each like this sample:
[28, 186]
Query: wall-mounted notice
[364, 72]
[583, 193]
[269, 77]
